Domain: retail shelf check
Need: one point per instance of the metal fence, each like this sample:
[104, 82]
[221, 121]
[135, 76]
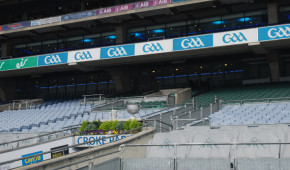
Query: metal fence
[176, 159]
[11, 145]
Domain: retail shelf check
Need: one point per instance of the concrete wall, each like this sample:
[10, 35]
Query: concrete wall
[183, 95]
[84, 158]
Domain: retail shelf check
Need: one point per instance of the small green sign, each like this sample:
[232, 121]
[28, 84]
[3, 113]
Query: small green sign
[18, 63]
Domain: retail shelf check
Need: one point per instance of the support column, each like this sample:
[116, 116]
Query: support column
[272, 9]
[273, 60]
[121, 34]
[121, 77]
[4, 50]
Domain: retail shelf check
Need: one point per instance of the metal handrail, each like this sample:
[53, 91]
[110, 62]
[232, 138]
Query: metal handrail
[192, 144]
[47, 134]
[71, 146]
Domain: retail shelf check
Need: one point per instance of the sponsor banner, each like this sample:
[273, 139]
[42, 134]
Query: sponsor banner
[193, 42]
[105, 11]
[46, 21]
[143, 4]
[51, 59]
[121, 8]
[2, 65]
[118, 51]
[114, 9]
[16, 26]
[274, 33]
[32, 160]
[78, 15]
[84, 55]
[19, 63]
[82, 139]
[153, 47]
[59, 151]
[161, 2]
[235, 37]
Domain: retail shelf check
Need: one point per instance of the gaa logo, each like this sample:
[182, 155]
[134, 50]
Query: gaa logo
[52, 59]
[233, 38]
[117, 52]
[152, 47]
[191, 43]
[279, 33]
[83, 56]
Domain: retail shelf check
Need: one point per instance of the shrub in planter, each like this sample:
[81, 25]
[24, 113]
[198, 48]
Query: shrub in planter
[91, 127]
[83, 126]
[97, 123]
[126, 125]
[114, 124]
[134, 124]
[105, 126]
[120, 126]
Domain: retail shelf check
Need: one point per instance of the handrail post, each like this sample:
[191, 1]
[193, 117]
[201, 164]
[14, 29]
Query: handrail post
[160, 122]
[211, 109]
[189, 114]
[201, 112]
[193, 102]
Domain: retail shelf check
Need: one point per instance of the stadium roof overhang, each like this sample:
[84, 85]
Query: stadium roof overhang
[155, 15]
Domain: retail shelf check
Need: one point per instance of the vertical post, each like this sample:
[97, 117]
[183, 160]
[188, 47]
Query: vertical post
[175, 156]
[90, 167]
[154, 123]
[13, 105]
[160, 122]
[26, 104]
[211, 109]
[201, 112]
[189, 114]
[85, 99]
[193, 102]
[176, 122]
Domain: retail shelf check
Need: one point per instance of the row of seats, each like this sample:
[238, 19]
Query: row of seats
[271, 113]
[257, 91]
[53, 116]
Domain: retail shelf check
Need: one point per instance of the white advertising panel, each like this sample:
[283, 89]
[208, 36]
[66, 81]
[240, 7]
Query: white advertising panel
[84, 55]
[235, 37]
[102, 139]
[153, 47]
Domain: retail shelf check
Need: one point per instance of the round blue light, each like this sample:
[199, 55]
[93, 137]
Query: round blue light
[217, 22]
[88, 40]
[246, 19]
[112, 37]
[158, 31]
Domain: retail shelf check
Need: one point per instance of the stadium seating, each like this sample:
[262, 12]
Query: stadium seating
[267, 113]
[53, 116]
[257, 91]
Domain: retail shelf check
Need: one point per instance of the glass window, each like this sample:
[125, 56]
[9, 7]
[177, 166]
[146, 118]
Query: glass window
[19, 50]
[210, 24]
[62, 46]
[155, 32]
[257, 18]
[92, 41]
[176, 29]
[75, 43]
[136, 35]
[233, 21]
[34, 48]
[108, 38]
[192, 27]
[284, 14]
[50, 46]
